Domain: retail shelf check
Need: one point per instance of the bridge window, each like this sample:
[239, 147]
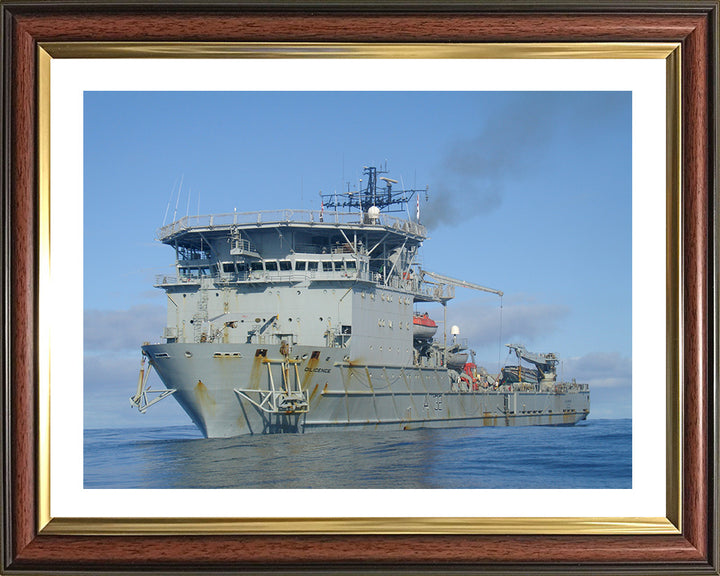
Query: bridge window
[350, 264]
[327, 266]
[300, 265]
[312, 266]
[228, 267]
[255, 266]
[285, 265]
[271, 266]
[338, 266]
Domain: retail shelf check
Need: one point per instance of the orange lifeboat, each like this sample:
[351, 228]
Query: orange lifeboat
[424, 327]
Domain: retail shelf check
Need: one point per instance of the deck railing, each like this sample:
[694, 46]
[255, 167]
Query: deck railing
[411, 285]
[285, 216]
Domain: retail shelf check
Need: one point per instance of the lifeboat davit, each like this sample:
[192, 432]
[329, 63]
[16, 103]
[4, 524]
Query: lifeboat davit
[424, 327]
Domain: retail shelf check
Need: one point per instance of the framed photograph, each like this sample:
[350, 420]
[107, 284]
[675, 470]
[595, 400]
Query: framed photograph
[604, 115]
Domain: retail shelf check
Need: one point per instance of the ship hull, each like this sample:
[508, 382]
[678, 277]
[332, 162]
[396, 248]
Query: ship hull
[222, 387]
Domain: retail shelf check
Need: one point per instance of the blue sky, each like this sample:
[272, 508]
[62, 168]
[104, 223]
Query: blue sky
[529, 192]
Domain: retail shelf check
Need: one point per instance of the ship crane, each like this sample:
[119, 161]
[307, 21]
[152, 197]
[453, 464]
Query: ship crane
[463, 284]
[460, 283]
[545, 363]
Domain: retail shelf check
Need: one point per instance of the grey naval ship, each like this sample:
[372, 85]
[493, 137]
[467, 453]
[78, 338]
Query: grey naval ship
[296, 321]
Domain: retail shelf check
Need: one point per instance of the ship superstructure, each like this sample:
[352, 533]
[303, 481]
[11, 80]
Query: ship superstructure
[300, 320]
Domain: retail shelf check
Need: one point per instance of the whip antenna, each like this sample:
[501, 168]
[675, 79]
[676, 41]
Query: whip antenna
[500, 335]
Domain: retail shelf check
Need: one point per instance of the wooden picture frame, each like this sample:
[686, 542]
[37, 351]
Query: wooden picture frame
[30, 545]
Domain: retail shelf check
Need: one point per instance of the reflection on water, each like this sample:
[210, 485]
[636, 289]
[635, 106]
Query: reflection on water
[595, 454]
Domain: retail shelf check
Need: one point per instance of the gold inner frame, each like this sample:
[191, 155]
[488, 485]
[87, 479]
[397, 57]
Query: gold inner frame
[671, 524]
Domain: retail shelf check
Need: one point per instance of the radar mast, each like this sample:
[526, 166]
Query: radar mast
[385, 198]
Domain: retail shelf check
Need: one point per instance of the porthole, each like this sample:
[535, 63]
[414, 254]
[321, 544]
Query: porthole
[304, 356]
[188, 354]
[321, 319]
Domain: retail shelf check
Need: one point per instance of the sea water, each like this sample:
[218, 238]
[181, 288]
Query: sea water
[592, 454]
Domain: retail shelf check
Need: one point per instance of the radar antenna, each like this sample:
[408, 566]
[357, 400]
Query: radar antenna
[386, 199]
